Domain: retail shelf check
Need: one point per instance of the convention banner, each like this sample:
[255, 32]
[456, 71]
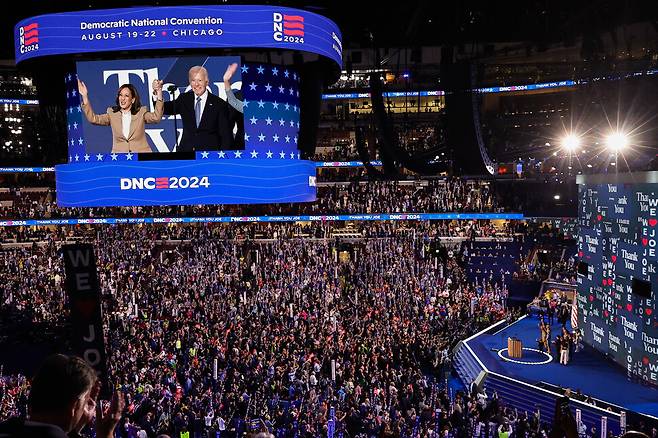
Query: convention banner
[177, 27]
[179, 182]
[83, 290]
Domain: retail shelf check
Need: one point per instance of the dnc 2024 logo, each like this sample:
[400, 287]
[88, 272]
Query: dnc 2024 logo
[288, 28]
[164, 183]
[28, 37]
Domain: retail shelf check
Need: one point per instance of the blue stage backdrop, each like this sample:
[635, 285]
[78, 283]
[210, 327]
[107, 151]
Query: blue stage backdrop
[103, 79]
[270, 95]
[618, 278]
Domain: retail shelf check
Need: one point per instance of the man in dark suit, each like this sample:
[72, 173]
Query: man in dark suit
[205, 116]
[62, 401]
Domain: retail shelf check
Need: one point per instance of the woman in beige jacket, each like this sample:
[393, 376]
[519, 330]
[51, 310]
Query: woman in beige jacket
[127, 118]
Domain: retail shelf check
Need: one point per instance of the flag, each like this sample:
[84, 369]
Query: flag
[271, 111]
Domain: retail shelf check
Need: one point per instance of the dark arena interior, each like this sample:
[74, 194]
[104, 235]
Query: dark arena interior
[341, 220]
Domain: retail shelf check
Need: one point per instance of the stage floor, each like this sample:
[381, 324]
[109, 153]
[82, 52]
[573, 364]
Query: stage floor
[588, 370]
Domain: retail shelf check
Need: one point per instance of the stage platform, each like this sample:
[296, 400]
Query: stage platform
[588, 370]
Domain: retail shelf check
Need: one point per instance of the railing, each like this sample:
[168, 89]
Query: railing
[520, 395]
[523, 396]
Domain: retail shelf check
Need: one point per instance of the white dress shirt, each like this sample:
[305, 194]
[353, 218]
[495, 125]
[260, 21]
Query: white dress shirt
[126, 117]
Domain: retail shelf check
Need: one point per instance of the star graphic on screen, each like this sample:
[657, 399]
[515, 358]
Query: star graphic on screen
[275, 137]
[69, 76]
[261, 104]
[69, 127]
[294, 108]
[268, 87]
[75, 125]
[67, 94]
[291, 91]
[86, 157]
[80, 141]
[287, 137]
[292, 123]
[282, 122]
[294, 76]
[295, 140]
[254, 154]
[129, 156]
[221, 154]
[79, 109]
[275, 105]
[281, 88]
[297, 92]
[114, 157]
[286, 73]
[252, 86]
[268, 121]
[261, 137]
[204, 154]
[260, 69]
[73, 93]
[253, 120]
[77, 157]
[244, 69]
[298, 155]
[269, 154]
[72, 142]
[297, 125]
[246, 137]
[282, 154]
[292, 155]
[70, 158]
[287, 106]
[238, 154]
[275, 71]
[99, 157]
[245, 103]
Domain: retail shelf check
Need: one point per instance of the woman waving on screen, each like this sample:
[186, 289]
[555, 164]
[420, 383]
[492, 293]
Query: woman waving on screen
[127, 118]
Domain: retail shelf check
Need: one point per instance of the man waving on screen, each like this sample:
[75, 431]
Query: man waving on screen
[205, 116]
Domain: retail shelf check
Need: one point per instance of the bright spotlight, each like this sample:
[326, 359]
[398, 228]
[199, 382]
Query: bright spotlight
[616, 141]
[571, 142]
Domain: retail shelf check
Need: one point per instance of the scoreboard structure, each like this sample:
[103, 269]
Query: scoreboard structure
[250, 149]
[618, 269]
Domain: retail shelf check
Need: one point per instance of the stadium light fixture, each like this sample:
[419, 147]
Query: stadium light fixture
[571, 143]
[617, 141]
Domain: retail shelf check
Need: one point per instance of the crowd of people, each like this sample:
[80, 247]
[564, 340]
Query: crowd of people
[419, 137]
[306, 330]
[373, 197]
[554, 262]
[461, 229]
[300, 327]
[333, 149]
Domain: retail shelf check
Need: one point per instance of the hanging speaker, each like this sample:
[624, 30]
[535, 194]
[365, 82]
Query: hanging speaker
[310, 102]
[460, 124]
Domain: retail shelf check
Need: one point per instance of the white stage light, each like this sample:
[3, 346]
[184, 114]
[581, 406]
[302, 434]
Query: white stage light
[571, 142]
[616, 141]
